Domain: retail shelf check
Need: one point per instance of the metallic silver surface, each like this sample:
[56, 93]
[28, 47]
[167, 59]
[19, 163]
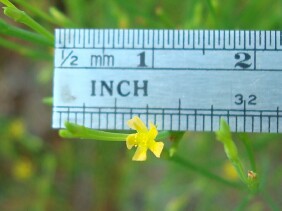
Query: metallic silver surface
[178, 79]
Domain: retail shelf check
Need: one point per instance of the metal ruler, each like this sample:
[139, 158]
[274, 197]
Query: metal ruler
[178, 79]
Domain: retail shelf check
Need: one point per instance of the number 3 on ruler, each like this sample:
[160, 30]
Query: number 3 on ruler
[240, 99]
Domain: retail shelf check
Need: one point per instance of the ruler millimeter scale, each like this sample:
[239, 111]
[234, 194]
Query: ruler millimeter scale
[178, 79]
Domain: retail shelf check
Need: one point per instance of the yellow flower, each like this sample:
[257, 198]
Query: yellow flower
[23, 169]
[144, 139]
[17, 129]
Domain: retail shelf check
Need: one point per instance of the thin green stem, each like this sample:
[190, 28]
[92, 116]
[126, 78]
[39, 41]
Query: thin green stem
[87, 133]
[22, 17]
[7, 3]
[9, 30]
[61, 19]
[78, 131]
[196, 168]
[35, 10]
[56, 16]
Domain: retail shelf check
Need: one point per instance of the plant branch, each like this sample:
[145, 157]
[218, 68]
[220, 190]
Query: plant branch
[9, 30]
[22, 17]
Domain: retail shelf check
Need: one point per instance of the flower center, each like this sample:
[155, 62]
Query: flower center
[142, 139]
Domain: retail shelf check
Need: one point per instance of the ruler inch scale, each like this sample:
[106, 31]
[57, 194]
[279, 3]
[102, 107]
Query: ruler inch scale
[181, 80]
[186, 39]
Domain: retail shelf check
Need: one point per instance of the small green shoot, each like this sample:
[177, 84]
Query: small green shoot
[231, 151]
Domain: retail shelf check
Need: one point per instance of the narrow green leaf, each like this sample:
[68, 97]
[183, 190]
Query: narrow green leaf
[77, 131]
[7, 3]
[224, 136]
[55, 16]
[9, 30]
[35, 10]
[22, 17]
[61, 19]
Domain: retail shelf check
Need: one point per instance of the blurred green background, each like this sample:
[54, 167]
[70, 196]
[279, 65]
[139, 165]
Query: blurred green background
[41, 171]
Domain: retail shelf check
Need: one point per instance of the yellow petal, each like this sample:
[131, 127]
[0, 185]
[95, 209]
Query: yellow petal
[156, 148]
[130, 141]
[153, 132]
[136, 124]
[140, 154]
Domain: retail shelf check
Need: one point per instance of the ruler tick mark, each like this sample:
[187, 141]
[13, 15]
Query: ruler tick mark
[203, 42]
[179, 114]
[280, 38]
[195, 122]
[204, 122]
[260, 118]
[269, 119]
[211, 117]
[244, 121]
